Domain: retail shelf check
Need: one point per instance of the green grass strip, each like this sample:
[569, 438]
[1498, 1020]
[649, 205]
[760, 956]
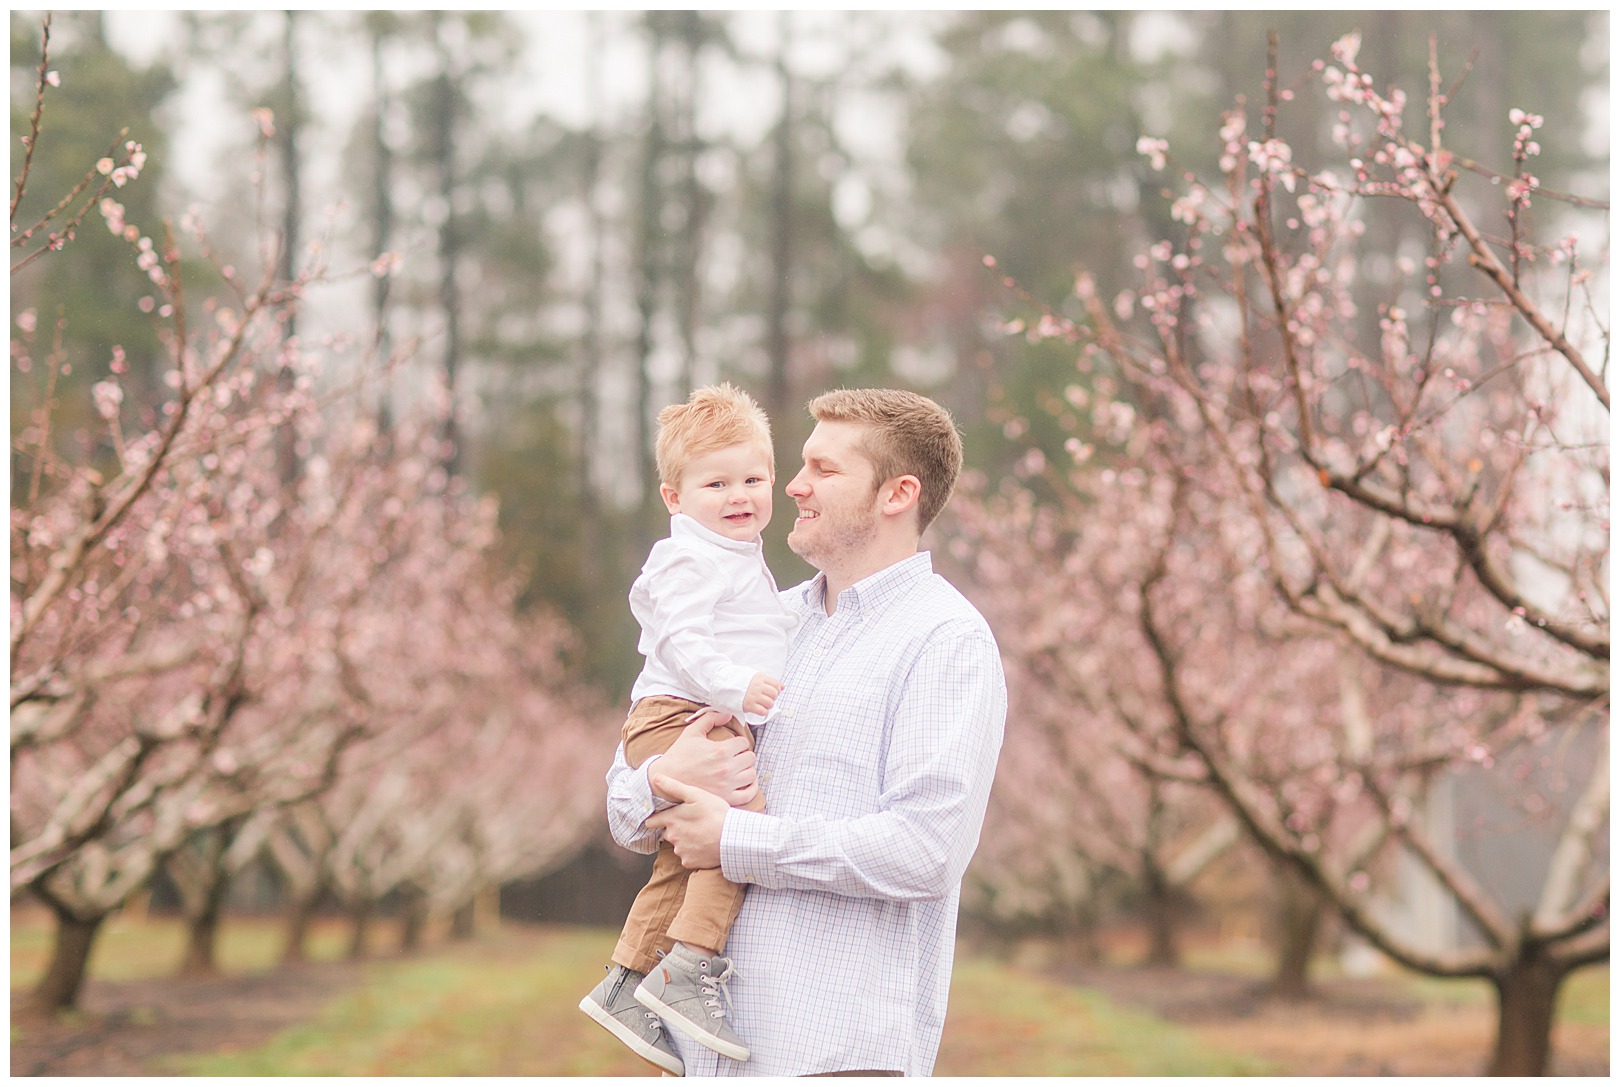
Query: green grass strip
[1007, 1022]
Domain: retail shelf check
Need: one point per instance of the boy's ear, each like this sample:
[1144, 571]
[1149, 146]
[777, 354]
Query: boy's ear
[671, 497]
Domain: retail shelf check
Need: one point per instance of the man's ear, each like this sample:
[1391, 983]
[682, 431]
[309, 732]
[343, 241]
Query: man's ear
[900, 494]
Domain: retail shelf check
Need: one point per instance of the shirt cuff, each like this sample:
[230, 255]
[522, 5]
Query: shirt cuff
[641, 785]
[748, 841]
[729, 690]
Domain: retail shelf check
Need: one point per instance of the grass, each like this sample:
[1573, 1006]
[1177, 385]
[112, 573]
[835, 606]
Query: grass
[489, 1013]
[505, 1004]
[500, 1007]
[1005, 1021]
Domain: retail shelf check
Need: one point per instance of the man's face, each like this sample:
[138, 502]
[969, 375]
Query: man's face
[727, 491]
[836, 494]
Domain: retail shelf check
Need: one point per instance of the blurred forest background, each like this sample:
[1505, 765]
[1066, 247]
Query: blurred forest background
[568, 220]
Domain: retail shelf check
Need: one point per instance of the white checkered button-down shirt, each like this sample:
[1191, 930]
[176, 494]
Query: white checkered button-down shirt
[876, 771]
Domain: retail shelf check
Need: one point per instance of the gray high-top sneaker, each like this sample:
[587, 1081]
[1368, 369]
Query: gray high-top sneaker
[686, 990]
[613, 1004]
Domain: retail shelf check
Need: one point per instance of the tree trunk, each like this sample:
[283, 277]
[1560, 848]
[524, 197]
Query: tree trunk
[415, 913]
[299, 921]
[1160, 908]
[382, 224]
[1300, 910]
[591, 562]
[203, 928]
[777, 393]
[1081, 938]
[445, 118]
[361, 916]
[649, 268]
[1527, 998]
[686, 279]
[464, 922]
[291, 223]
[58, 990]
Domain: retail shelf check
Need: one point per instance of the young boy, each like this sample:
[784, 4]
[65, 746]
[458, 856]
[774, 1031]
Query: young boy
[714, 633]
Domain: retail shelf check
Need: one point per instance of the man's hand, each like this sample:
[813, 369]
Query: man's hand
[723, 767]
[693, 827]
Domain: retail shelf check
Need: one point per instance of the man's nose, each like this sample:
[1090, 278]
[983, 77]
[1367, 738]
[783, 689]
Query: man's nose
[796, 487]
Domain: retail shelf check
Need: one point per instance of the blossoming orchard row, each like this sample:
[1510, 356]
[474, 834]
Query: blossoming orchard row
[1334, 535]
[248, 623]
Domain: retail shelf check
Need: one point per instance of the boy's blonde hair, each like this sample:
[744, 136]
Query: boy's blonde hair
[712, 418]
[907, 435]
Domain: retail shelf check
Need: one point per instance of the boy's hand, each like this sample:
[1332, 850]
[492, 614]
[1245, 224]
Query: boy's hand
[761, 693]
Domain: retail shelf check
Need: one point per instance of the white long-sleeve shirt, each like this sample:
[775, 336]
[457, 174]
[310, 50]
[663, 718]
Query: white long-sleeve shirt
[876, 771]
[711, 617]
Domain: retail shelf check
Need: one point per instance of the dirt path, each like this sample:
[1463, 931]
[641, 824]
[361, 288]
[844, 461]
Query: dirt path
[130, 1026]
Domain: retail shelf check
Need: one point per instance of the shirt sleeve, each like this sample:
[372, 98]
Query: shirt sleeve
[630, 801]
[682, 592]
[941, 759]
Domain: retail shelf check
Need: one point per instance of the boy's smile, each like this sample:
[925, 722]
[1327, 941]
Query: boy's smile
[727, 491]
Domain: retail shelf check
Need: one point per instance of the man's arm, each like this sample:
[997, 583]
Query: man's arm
[942, 756]
[722, 767]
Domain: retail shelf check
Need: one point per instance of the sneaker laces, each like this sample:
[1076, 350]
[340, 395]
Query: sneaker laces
[714, 985]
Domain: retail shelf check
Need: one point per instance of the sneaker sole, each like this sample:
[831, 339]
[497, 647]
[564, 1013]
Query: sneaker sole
[664, 1061]
[673, 1018]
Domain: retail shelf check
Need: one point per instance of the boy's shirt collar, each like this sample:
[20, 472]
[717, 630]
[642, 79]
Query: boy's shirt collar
[684, 524]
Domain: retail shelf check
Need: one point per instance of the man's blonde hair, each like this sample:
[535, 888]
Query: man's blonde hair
[713, 417]
[907, 435]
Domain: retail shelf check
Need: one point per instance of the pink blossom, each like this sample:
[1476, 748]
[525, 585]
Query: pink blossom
[1345, 49]
[1154, 149]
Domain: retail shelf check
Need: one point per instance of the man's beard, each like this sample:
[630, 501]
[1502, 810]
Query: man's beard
[836, 535]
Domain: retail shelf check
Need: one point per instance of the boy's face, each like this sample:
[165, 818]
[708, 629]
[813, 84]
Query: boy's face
[727, 491]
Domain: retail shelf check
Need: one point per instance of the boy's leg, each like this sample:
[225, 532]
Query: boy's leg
[704, 916]
[652, 726]
[654, 723]
[688, 986]
[645, 936]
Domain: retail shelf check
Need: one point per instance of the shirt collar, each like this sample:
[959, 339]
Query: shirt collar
[873, 591]
[682, 524]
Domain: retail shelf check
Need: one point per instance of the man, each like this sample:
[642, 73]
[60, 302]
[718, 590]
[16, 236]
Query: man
[877, 767]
